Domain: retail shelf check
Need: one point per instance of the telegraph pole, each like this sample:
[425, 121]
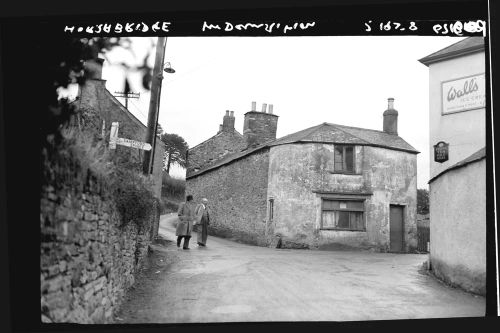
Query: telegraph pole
[154, 102]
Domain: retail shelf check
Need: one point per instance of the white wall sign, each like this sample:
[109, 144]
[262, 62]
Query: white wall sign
[463, 94]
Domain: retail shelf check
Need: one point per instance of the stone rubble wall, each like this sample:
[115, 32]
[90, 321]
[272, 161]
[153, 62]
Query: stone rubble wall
[236, 195]
[87, 258]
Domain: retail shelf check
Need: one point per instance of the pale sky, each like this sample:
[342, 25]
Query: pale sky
[309, 80]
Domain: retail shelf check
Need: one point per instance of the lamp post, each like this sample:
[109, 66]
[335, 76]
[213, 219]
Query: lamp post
[167, 69]
[154, 103]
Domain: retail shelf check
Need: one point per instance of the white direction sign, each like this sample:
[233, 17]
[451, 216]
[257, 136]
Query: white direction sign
[115, 140]
[133, 143]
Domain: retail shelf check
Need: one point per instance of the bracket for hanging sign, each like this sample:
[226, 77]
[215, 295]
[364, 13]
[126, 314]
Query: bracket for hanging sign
[115, 140]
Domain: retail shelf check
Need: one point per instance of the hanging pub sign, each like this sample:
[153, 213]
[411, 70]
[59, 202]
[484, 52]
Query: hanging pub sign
[441, 152]
[464, 94]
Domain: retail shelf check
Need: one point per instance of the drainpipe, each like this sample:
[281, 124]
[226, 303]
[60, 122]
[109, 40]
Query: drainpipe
[429, 266]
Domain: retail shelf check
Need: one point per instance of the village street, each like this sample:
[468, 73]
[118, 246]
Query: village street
[232, 282]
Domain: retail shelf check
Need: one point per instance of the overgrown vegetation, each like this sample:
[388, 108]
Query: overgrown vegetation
[73, 152]
[172, 193]
[172, 187]
[422, 201]
[82, 159]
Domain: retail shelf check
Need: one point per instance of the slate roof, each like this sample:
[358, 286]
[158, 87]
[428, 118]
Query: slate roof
[218, 134]
[478, 155]
[333, 133]
[324, 133]
[463, 47]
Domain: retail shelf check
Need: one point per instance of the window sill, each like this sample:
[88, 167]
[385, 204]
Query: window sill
[339, 229]
[345, 173]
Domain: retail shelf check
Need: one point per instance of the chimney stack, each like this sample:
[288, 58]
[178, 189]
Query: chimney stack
[390, 118]
[259, 127]
[228, 122]
[93, 68]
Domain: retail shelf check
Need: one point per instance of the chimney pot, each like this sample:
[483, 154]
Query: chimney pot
[390, 102]
[254, 106]
[270, 108]
[264, 106]
[231, 113]
[228, 122]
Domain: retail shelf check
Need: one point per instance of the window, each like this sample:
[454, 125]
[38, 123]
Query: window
[271, 209]
[342, 215]
[344, 159]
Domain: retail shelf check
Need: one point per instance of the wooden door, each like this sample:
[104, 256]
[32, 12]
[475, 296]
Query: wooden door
[396, 229]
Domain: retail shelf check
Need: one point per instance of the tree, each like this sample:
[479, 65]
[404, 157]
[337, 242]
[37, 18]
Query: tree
[175, 150]
[422, 201]
[159, 130]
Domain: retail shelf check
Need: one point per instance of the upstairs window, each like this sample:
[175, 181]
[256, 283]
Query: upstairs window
[344, 159]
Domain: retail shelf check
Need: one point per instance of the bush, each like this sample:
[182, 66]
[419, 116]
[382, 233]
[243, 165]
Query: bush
[82, 155]
[172, 188]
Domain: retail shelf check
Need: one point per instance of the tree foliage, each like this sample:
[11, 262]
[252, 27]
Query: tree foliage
[422, 201]
[175, 150]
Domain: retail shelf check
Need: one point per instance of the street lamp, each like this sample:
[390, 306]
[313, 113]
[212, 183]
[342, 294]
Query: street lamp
[168, 68]
[147, 166]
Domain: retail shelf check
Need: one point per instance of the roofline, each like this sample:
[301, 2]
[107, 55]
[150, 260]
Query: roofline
[350, 144]
[450, 55]
[229, 161]
[456, 166]
[213, 136]
[269, 114]
[270, 145]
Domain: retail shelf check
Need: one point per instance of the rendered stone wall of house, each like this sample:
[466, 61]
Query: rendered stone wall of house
[458, 227]
[298, 171]
[237, 195]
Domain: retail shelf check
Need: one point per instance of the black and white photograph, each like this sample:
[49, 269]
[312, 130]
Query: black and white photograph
[257, 170]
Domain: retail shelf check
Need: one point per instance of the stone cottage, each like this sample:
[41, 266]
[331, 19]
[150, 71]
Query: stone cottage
[327, 186]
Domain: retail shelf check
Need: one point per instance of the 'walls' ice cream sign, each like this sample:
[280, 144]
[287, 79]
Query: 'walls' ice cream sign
[464, 94]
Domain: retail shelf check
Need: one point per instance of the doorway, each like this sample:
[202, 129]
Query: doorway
[396, 229]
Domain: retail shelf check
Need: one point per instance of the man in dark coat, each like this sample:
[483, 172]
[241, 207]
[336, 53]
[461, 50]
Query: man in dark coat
[203, 220]
[187, 216]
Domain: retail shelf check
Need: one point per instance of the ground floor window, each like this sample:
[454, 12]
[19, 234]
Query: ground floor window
[342, 215]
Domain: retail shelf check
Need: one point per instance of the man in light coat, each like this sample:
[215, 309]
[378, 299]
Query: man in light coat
[187, 217]
[202, 221]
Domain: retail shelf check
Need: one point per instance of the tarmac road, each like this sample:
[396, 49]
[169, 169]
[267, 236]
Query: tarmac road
[233, 282]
